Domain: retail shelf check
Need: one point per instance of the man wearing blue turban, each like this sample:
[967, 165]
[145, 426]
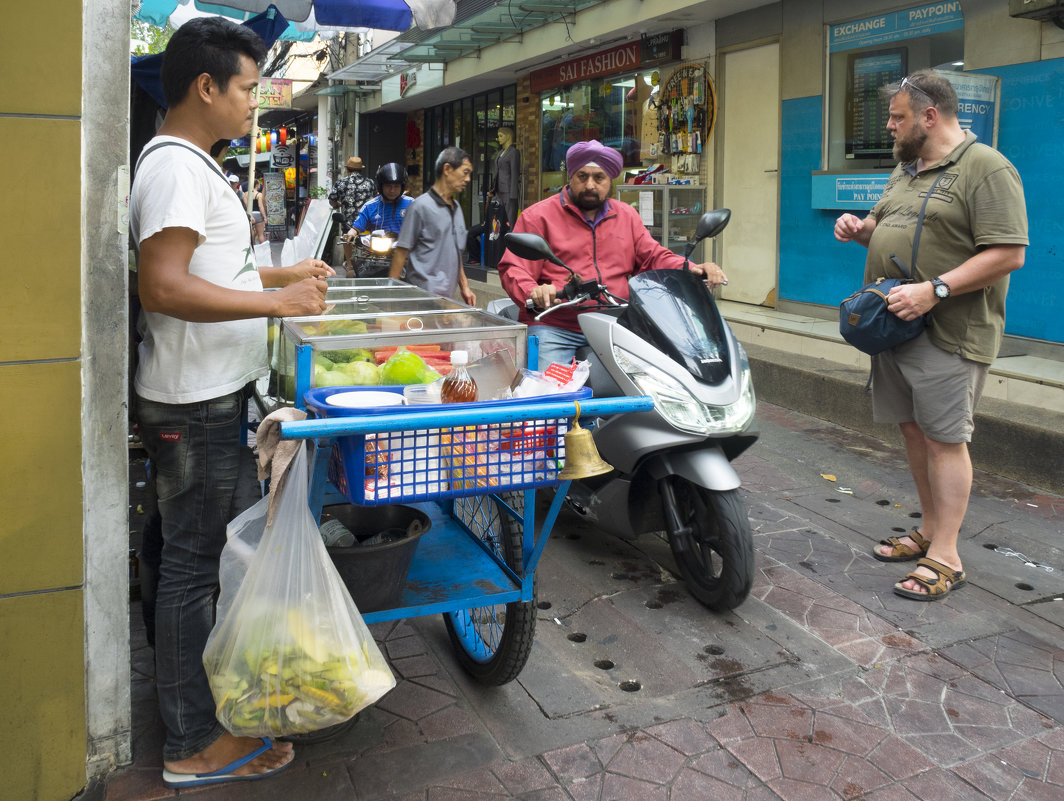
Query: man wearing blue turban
[598, 237]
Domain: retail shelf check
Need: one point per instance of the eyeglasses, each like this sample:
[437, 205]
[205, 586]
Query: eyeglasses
[905, 82]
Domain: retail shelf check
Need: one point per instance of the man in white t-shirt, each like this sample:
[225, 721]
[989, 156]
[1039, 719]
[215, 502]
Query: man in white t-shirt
[203, 331]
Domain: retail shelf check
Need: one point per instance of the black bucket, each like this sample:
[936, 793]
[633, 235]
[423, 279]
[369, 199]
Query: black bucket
[376, 574]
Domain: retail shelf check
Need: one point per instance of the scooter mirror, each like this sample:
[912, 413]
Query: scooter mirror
[338, 216]
[712, 223]
[709, 225]
[532, 247]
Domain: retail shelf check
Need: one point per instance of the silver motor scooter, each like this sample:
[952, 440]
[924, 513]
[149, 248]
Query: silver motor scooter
[672, 466]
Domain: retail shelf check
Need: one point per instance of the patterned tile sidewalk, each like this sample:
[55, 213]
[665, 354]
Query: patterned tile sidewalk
[959, 700]
[906, 723]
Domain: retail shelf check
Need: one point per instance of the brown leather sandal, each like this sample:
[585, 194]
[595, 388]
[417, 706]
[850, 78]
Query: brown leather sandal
[946, 580]
[902, 552]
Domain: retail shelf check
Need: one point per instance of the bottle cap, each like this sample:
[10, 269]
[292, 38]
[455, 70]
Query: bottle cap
[459, 357]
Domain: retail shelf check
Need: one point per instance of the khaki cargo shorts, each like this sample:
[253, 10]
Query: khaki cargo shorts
[919, 382]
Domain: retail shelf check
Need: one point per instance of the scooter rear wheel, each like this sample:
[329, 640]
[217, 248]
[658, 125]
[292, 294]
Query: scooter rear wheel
[492, 643]
[717, 560]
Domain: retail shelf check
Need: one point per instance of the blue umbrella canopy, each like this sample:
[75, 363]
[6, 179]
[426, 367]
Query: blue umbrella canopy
[145, 70]
[308, 16]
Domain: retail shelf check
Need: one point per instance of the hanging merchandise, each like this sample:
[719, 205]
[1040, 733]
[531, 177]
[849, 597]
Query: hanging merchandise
[282, 137]
[273, 139]
[686, 114]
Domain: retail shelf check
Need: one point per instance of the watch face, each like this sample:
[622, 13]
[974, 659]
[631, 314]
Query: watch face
[942, 290]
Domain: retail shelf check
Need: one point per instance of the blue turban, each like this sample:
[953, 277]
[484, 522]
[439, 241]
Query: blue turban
[594, 152]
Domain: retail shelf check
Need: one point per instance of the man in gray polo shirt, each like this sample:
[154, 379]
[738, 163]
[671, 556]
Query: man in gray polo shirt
[434, 232]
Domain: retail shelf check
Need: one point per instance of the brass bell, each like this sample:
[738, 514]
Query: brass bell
[582, 459]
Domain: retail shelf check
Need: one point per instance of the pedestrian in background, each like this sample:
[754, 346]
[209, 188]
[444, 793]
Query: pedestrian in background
[974, 234]
[433, 235]
[349, 194]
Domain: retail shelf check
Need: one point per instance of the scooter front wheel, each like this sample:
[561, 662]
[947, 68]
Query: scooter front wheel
[492, 643]
[716, 557]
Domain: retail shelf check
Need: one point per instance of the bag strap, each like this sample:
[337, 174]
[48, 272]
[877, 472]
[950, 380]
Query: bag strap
[213, 168]
[920, 223]
[210, 164]
[911, 271]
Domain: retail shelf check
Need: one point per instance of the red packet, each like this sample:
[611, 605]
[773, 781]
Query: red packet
[560, 373]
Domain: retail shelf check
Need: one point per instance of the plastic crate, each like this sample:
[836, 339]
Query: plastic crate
[443, 462]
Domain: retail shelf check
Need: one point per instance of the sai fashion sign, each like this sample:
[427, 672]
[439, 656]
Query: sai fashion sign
[623, 58]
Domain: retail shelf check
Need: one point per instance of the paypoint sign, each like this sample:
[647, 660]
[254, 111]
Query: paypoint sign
[907, 24]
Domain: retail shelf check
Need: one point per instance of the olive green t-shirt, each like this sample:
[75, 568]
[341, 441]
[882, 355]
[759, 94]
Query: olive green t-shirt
[979, 202]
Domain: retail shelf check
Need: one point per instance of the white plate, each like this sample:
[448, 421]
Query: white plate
[363, 400]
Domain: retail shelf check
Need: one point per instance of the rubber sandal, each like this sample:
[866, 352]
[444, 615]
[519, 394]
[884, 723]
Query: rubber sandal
[224, 774]
[946, 580]
[902, 552]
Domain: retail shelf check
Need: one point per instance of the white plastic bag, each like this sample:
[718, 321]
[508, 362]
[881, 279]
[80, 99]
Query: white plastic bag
[555, 380]
[289, 653]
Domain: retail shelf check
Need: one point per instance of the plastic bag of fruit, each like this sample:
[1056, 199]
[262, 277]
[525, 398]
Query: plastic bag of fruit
[289, 653]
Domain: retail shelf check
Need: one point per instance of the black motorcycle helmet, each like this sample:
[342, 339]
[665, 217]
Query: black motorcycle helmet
[391, 173]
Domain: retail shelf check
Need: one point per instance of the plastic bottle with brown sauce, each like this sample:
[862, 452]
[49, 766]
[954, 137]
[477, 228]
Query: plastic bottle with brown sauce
[458, 386]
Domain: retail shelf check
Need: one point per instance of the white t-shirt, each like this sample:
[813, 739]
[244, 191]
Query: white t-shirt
[180, 361]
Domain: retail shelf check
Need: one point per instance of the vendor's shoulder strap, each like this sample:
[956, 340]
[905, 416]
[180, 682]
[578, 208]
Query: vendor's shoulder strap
[210, 164]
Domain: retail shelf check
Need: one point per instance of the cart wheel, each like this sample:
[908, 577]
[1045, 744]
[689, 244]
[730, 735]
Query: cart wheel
[492, 643]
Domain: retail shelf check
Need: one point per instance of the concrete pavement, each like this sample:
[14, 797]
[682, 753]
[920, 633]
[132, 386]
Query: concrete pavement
[823, 685]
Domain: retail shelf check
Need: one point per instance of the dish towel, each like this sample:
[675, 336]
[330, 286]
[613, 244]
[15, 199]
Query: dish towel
[276, 454]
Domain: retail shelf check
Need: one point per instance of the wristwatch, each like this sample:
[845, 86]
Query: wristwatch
[941, 288]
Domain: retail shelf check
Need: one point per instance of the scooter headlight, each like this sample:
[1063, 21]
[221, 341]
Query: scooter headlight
[671, 398]
[380, 244]
[682, 409]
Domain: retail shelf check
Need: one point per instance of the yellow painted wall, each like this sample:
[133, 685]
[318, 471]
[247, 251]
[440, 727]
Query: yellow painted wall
[41, 569]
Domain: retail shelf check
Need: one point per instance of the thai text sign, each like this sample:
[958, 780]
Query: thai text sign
[976, 102]
[275, 93]
[848, 191]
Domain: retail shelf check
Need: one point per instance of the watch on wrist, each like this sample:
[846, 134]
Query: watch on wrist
[941, 288]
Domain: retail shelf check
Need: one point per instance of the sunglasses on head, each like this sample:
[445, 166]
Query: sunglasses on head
[907, 83]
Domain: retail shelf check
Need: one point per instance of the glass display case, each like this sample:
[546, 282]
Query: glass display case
[343, 281]
[669, 211]
[349, 345]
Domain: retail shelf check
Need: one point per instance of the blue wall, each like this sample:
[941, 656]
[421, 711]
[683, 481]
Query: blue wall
[1031, 136]
[814, 268]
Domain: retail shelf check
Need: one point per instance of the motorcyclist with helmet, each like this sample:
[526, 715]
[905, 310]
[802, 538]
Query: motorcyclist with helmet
[385, 211]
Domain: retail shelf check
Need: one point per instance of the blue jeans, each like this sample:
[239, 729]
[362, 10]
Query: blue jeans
[195, 449]
[556, 344]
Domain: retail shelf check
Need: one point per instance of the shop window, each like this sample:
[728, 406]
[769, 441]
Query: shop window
[608, 109]
[471, 123]
[869, 53]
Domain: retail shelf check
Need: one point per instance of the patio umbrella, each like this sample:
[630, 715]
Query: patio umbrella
[145, 69]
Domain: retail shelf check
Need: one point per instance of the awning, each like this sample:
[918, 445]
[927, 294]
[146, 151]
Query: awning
[376, 65]
[483, 23]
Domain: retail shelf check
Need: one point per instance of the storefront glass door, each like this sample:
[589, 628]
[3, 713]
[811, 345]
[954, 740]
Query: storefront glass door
[472, 124]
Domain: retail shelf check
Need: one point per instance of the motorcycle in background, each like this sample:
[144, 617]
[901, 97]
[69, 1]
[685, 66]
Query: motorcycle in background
[672, 466]
[372, 255]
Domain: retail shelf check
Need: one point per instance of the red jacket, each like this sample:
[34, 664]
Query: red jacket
[612, 249]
